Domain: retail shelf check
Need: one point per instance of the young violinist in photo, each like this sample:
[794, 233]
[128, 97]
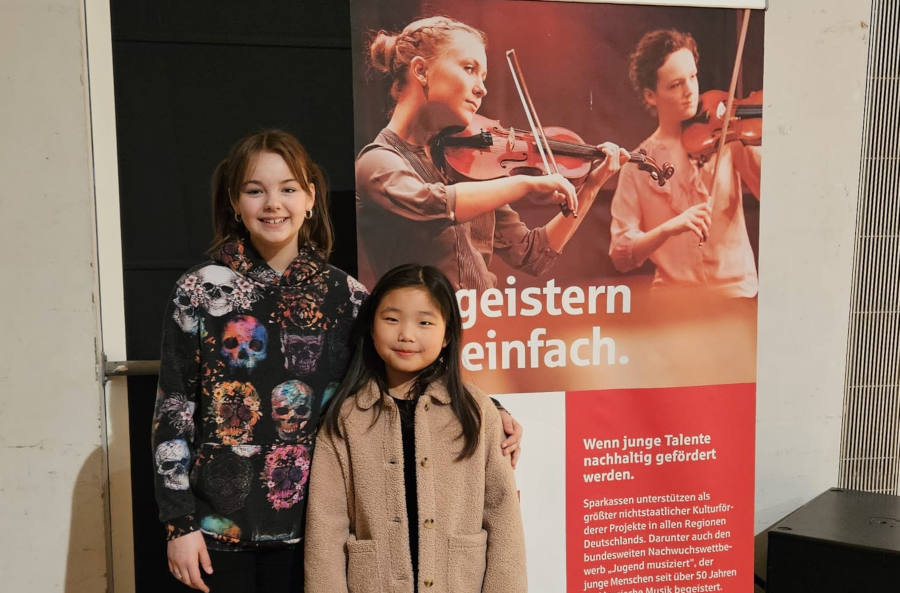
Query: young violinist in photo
[408, 209]
[693, 228]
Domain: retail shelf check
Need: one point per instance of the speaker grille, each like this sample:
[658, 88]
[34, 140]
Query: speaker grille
[870, 435]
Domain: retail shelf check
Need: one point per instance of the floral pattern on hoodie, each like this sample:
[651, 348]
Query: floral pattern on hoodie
[232, 446]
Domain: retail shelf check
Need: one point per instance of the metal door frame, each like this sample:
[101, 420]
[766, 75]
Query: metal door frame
[98, 44]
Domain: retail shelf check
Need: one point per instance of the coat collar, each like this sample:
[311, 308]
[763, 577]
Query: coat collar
[370, 394]
[240, 256]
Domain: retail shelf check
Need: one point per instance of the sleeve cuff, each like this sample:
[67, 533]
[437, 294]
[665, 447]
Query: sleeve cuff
[180, 526]
[546, 250]
[621, 253]
[450, 198]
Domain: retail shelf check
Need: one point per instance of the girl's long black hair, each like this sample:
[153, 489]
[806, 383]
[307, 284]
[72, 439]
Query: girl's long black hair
[365, 364]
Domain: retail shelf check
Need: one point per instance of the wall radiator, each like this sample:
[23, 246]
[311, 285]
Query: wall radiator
[870, 435]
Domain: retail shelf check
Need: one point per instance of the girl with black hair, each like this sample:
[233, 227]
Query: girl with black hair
[409, 490]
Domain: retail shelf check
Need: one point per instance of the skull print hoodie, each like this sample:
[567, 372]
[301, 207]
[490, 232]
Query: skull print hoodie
[248, 359]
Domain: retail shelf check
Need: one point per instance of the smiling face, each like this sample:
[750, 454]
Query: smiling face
[677, 92]
[453, 81]
[272, 205]
[408, 332]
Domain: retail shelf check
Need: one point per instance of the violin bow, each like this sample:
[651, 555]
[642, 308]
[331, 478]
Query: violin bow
[543, 145]
[732, 87]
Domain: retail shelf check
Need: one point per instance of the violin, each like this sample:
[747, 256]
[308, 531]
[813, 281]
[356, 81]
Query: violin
[700, 135]
[486, 150]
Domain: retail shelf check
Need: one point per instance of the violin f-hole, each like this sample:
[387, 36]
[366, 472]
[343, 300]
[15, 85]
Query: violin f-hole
[512, 160]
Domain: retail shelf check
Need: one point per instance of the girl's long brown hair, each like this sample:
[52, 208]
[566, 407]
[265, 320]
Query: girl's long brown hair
[231, 173]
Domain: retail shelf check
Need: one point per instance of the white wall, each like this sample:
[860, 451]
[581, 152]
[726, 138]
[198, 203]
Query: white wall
[52, 490]
[815, 66]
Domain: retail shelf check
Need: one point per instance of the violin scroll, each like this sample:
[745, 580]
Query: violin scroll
[700, 135]
[645, 162]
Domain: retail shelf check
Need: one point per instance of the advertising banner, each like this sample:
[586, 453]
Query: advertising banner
[624, 340]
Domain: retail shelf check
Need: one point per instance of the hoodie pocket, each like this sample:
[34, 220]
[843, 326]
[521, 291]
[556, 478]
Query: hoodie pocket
[362, 566]
[466, 562]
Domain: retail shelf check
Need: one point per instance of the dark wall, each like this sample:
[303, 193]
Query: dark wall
[190, 79]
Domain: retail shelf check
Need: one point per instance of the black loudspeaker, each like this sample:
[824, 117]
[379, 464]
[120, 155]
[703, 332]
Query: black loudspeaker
[842, 541]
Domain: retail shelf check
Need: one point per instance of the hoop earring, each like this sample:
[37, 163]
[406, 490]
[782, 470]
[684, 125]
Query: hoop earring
[237, 217]
[308, 215]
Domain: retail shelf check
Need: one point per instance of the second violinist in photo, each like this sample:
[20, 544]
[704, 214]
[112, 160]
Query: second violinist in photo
[407, 207]
[693, 229]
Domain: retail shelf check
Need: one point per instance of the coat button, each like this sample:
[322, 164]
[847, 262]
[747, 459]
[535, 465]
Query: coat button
[429, 523]
[424, 462]
[428, 582]
[426, 406]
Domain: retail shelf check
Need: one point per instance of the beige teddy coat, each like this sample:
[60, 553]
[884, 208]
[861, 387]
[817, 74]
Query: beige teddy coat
[470, 527]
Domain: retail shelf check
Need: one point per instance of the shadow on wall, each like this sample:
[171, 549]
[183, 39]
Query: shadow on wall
[86, 562]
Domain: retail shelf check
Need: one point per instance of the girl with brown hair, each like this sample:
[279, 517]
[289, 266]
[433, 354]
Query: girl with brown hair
[254, 342]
